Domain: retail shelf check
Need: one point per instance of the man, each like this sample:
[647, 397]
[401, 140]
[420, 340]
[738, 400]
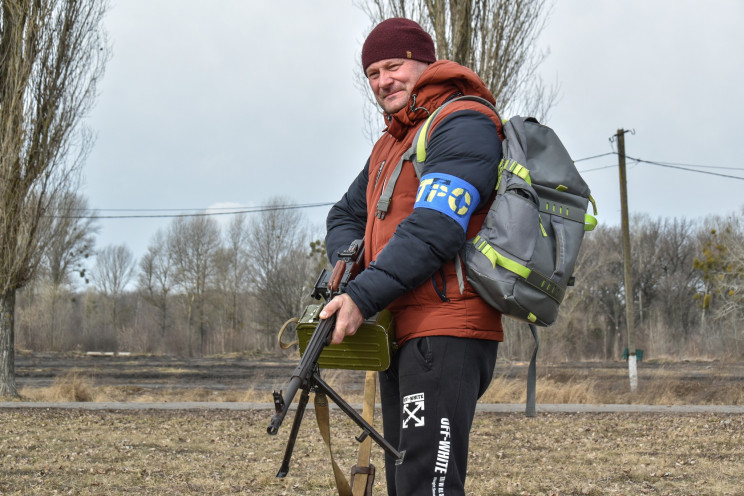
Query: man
[447, 338]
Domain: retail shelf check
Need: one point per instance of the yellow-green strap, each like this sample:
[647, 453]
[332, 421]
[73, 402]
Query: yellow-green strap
[516, 168]
[497, 258]
[590, 222]
[532, 277]
[423, 133]
[421, 143]
[594, 204]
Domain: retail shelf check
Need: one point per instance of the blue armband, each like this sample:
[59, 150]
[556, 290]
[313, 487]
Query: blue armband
[454, 197]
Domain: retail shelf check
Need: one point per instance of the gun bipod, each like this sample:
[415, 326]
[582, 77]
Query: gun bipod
[367, 430]
[317, 384]
[304, 397]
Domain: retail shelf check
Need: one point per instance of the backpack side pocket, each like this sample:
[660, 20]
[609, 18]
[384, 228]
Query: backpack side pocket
[496, 259]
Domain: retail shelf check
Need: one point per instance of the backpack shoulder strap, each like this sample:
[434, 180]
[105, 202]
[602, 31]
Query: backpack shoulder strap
[422, 136]
[419, 147]
[383, 204]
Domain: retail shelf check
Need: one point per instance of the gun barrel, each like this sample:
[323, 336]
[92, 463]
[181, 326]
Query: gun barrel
[306, 374]
[303, 373]
[281, 404]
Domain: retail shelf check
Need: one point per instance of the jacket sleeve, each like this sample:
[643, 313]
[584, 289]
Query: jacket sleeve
[465, 145]
[347, 219]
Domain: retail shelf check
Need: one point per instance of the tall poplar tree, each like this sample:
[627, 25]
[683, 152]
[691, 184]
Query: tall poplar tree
[52, 54]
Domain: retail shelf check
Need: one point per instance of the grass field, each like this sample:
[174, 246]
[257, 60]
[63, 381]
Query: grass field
[54, 451]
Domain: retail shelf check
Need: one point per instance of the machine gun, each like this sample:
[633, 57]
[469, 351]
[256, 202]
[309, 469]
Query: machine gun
[307, 374]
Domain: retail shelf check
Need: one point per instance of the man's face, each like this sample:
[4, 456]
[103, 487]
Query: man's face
[392, 81]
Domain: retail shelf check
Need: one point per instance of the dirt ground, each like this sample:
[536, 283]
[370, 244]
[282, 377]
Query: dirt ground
[154, 372]
[76, 451]
[48, 451]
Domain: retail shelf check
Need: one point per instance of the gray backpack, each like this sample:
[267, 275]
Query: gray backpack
[523, 258]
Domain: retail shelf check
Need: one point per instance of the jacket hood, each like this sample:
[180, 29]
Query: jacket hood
[437, 84]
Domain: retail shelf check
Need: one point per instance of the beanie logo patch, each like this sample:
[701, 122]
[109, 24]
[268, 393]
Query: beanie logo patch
[408, 54]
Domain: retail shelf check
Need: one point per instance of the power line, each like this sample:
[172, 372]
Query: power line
[595, 156]
[199, 209]
[196, 214]
[672, 166]
[698, 166]
[218, 211]
[599, 168]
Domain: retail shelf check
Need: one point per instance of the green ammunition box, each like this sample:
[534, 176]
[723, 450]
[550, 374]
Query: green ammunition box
[371, 348]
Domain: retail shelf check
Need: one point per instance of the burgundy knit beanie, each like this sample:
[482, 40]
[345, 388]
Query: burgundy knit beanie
[398, 38]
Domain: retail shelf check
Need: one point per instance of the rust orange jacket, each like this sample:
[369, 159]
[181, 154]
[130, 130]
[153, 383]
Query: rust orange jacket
[410, 252]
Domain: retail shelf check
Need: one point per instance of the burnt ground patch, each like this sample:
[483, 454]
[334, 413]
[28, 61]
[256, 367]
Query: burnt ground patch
[693, 382]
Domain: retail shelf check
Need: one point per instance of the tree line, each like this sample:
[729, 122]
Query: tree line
[687, 279]
[202, 288]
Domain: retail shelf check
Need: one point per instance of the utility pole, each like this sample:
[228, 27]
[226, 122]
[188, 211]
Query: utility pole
[632, 370]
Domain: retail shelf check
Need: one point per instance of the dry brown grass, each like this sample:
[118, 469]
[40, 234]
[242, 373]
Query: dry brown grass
[657, 386]
[49, 451]
[63, 392]
[72, 386]
[506, 390]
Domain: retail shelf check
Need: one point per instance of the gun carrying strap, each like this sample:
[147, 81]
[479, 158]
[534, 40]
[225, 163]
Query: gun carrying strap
[282, 344]
[363, 473]
[322, 415]
[362, 485]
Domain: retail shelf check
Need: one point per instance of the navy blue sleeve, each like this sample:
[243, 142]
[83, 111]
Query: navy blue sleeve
[347, 219]
[465, 145]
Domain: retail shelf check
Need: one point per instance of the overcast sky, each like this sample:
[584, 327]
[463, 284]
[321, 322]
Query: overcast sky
[231, 103]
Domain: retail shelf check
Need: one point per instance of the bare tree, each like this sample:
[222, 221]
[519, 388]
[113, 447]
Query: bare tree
[604, 289]
[113, 269]
[731, 277]
[234, 269]
[193, 243]
[155, 279]
[497, 39]
[670, 314]
[721, 269]
[112, 272]
[52, 54]
[282, 266]
[71, 240]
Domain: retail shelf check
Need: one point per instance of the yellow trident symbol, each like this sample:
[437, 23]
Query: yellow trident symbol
[462, 198]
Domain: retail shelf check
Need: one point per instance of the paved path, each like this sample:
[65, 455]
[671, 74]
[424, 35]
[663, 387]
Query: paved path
[486, 407]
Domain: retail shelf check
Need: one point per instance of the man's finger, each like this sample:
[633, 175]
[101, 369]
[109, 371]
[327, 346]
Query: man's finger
[338, 336]
[331, 308]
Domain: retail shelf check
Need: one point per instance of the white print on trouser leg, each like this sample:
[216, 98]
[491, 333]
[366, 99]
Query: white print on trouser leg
[413, 408]
[442, 462]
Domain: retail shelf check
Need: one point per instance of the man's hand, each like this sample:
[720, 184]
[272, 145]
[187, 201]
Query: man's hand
[348, 318]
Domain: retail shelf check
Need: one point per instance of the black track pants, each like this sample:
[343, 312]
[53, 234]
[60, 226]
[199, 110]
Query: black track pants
[428, 402]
